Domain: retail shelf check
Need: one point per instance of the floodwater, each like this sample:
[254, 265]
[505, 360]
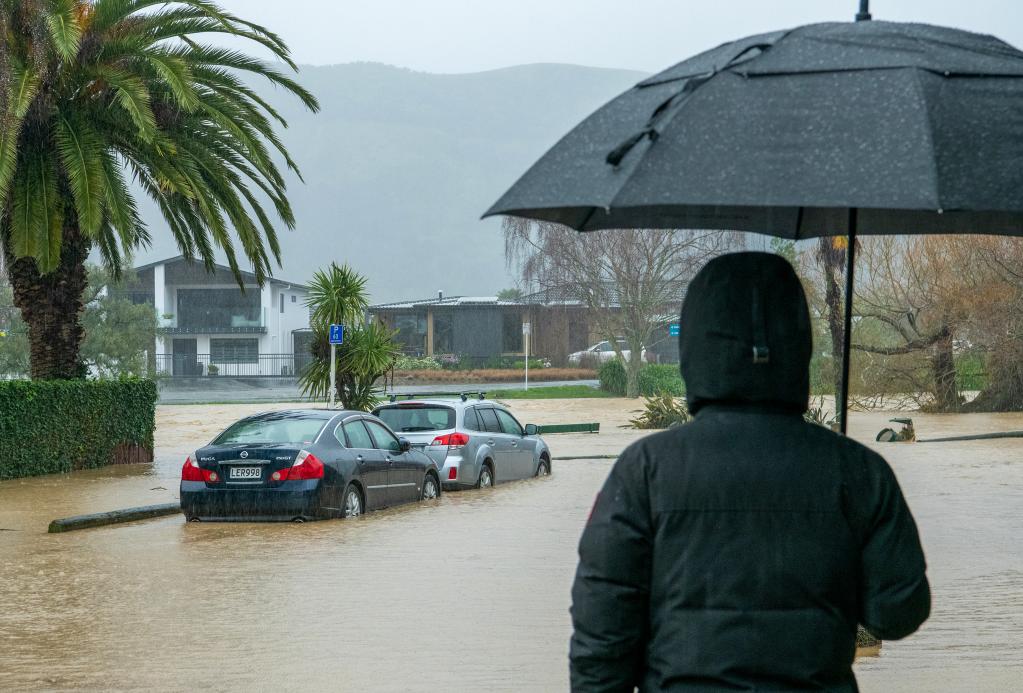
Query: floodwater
[468, 593]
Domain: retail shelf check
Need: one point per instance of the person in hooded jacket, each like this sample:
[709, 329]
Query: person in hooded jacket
[740, 550]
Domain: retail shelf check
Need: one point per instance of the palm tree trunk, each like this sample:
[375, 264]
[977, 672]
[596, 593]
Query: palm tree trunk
[51, 306]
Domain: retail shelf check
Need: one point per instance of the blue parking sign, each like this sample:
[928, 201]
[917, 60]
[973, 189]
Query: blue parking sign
[337, 334]
[674, 329]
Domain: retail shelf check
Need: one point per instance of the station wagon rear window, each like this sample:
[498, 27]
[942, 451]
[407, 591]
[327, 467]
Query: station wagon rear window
[410, 419]
[279, 430]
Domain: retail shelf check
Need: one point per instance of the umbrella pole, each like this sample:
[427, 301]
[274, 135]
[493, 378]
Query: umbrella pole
[850, 269]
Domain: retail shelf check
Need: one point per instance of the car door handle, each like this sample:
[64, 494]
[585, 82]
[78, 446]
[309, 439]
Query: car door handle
[359, 458]
[515, 445]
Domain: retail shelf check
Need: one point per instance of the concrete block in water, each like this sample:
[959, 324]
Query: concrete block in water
[113, 517]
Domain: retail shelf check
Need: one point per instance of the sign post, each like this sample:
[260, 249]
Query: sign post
[337, 336]
[526, 331]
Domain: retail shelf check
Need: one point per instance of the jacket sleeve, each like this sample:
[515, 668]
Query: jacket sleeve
[895, 597]
[612, 583]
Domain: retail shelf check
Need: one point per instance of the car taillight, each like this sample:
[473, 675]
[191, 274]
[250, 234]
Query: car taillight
[191, 471]
[306, 466]
[452, 473]
[452, 440]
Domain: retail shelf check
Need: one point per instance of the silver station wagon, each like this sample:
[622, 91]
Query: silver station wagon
[474, 442]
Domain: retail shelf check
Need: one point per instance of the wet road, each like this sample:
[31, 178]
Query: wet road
[469, 593]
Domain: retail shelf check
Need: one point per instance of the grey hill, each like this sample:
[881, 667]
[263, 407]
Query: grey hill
[399, 166]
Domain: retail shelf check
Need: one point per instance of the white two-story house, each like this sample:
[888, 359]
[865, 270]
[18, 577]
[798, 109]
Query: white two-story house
[208, 326]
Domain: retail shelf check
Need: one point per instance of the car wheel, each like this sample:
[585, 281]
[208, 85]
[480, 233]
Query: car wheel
[544, 468]
[352, 502]
[430, 488]
[486, 479]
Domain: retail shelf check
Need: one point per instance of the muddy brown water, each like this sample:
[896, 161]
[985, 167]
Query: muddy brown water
[469, 593]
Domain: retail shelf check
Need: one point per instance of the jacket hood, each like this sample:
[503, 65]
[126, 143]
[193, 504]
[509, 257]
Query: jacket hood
[745, 334]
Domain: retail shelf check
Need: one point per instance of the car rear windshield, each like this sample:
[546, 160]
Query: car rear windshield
[277, 430]
[409, 419]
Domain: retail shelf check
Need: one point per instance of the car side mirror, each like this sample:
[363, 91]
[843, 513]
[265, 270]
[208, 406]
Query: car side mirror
[404, 444]
[532, 429]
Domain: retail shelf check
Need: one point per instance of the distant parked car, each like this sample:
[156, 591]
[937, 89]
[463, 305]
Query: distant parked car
[601, 353]
[304, 464]
[475, 443]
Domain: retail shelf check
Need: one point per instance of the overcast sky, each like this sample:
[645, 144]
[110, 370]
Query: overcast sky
[648, 35]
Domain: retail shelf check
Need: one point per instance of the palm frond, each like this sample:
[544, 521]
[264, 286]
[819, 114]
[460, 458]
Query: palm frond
[81, 153]
[65, 31]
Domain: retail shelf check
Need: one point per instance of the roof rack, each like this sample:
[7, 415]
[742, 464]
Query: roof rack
[464, 396]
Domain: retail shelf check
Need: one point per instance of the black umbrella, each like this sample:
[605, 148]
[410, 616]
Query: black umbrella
[823, 130]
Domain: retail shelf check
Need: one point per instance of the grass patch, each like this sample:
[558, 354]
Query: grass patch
[556, 392]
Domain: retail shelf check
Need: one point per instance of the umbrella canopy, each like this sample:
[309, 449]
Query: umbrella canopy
[827, 129]
[918, 127]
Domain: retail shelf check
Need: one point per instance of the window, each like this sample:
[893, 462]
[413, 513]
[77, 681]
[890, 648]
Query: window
[512, 332]
[508, 423]
[384, 438]
[294, 298]
[411, 331]
[282, 303]
[417, 418]
[272, 429]
[443, 334]
[357, 436]
[234, 350]
[489, 419]
[213, 308]
[472, 422]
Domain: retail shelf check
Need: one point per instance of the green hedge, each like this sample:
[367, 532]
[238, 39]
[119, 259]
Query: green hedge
[48, 427]
[654, 379]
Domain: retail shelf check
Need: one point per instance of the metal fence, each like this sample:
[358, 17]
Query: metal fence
[204, 366]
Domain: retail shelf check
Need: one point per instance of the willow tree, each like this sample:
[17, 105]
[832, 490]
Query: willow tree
[97, 93]
[631, 281]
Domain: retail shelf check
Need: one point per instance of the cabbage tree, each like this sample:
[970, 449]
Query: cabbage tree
[337, 295]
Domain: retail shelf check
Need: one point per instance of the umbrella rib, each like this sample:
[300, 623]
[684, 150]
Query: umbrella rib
[936, 175]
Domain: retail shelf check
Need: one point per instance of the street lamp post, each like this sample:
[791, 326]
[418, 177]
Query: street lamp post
[864, 14]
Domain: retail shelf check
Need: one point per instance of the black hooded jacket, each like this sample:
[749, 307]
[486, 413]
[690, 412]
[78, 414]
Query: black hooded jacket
[739, 551]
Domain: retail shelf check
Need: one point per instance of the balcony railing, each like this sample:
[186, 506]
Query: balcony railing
[234, 324]
[206, 366]
[204, 329]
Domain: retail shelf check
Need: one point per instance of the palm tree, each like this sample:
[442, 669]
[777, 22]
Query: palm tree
[94, 93]
[337, 296]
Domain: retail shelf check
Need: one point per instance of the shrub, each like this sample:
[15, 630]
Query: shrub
[817, 414]
[654, 379]
[416, 363]
[659, 378]
[48, 427]
[662, 411]
[612, 377]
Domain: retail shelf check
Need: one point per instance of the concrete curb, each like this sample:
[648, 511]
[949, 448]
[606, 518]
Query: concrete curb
[113, 517]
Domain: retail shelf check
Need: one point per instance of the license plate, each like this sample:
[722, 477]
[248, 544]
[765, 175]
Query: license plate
[246, 473]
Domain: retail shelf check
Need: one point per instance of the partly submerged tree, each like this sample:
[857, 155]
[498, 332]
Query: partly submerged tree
[831, 258]
[94, 93]
[337, 296]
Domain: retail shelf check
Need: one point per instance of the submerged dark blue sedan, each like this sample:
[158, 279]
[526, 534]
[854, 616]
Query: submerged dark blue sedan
[304, 464]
